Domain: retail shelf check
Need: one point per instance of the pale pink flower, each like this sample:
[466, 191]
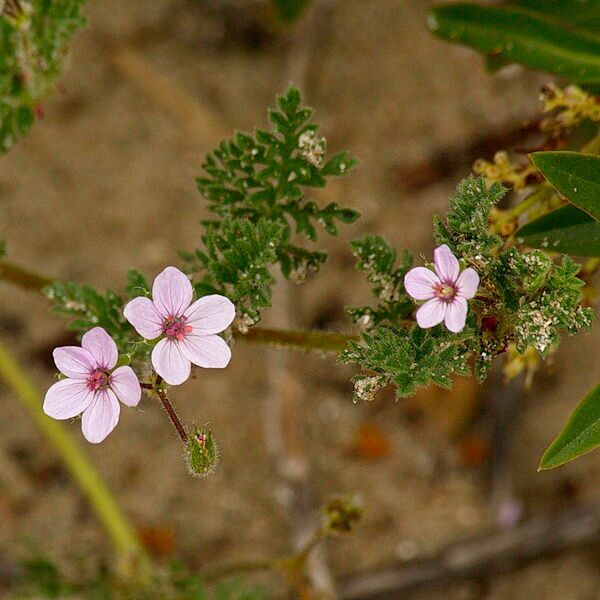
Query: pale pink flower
[446, 291]
[189, 329]
[92, 386]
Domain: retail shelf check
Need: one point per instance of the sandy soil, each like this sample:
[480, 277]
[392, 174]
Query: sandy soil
[106, 183]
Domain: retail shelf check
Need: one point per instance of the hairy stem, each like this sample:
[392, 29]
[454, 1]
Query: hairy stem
[28, 280]
[120, 531]
[323, 341]
[299, 340]
[162, 396]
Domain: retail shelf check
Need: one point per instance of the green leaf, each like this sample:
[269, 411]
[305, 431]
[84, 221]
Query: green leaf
[583, 15]
[523, 36]
[137, 285]
[580, 435]
[576, 176]
[567, 230]
[339, 165]
[257, 186]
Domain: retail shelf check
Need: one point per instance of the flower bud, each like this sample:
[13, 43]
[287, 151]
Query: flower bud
[341, 514]
[201, 454]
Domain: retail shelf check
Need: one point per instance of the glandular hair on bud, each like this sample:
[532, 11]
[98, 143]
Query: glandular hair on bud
[201, 453]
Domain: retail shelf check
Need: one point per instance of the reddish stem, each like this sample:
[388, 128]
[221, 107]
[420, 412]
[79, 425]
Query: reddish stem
[162, 396]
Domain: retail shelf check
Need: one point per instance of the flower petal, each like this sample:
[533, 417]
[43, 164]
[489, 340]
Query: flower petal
[208, 351]
[446, 264]
[171, 292]
[101, 346]
[456, 314]
[467, 283]
[126, 386]
[101, 417]
[74, 361]
[419, 283]
[210, 314]
[67, 399]
[142, 314]
[431, 313]
[170, 363]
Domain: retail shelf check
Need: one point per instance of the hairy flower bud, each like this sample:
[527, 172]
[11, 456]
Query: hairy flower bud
[201, 454]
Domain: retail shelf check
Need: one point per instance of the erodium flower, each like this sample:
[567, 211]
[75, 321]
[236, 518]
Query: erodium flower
[189, 329]
[92, 386]
[446, 291]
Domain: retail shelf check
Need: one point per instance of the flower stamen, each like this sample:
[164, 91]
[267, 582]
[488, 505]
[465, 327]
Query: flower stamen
[445, 291]
[98, 380]
[175, 327]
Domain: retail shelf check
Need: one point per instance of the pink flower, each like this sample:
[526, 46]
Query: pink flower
[189, 329]
[446, 291]
[92, 387]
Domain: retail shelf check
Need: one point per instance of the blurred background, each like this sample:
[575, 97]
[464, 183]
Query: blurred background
[105, 183]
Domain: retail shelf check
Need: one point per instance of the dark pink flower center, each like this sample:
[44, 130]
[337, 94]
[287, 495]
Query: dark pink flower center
[445, 291]
[175, 327]
[98, 380]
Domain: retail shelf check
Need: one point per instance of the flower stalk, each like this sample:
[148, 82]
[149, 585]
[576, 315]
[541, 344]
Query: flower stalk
[161, 394]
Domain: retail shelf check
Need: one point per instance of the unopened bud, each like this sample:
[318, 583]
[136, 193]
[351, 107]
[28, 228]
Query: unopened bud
[202, 454]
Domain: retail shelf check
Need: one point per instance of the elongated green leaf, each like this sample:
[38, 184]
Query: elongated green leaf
[580, 14]
[521, 35]
[580, 435]
[576, 176]
[567, 230]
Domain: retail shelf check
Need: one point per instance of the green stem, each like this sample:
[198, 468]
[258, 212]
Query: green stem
[590, 268]
[121, 533]
[543, 192]
[28, 280]
[298, 340]
[323, 341]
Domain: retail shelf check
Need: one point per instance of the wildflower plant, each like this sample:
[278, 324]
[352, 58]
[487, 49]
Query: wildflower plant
[484, 294]
[508, 277]
[256, 187]
[562, 211]
[493, 288]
